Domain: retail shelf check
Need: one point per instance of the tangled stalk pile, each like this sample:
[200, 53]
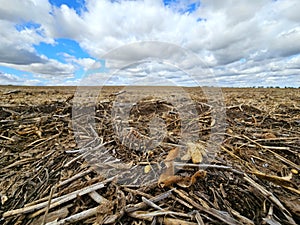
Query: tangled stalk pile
[46, 177]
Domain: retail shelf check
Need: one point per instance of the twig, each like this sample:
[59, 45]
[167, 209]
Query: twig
[207, 166]
[74, 195]
[182, 202]
[88, 148]
[199, 218]
[213, 212]
[268, 147]
[118, 93]
[73, 160]
[151, 204]
[137, 192]
[59, 200]
[97, 198]
[146, 215]
[18, 163]
[44, 141]
[236, 106]
[273, 199]
[75, 177]
[7, 138]
[275, 154]
[12, 92]
[141, 205]
[278, 139]
[48, 205]
[243, 219]
[76, 217]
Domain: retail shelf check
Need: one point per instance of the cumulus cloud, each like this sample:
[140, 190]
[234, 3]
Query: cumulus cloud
[85, 63]
[25, 24]
[253, 29]
[27, 10]
[241, 42]
[66, 23]
[47, 69]
[9, 79]
[6, 78]
[227, 31]
[16, 46]
[110, 24]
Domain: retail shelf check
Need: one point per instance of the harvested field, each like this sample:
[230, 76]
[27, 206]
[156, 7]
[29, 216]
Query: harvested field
[58, 169]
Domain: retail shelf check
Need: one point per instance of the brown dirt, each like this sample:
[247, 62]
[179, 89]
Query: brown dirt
[253, 177]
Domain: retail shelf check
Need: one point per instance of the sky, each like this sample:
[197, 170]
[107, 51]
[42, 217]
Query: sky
[235, 43]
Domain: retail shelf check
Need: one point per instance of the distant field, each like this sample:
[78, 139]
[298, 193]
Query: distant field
[41, 94]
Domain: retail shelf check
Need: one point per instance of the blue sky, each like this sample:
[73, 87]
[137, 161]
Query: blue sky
[56, 42]
[78, 5]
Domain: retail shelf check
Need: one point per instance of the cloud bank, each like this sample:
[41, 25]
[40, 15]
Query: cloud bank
[244, 43]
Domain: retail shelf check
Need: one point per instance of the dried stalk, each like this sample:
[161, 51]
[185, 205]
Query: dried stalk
[76, 217]
[272, 198]
[59, 200]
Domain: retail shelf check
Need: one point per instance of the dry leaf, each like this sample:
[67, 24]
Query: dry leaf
[196, 156]
[38, 133]
[229, 131]
[170, 168]
[186, 157]
[268, 136]
[195, 151]
[4, 198]
[167, 180]
[150, 153]
[213, 122]
[294, 171]
[172, 154]
[189, 181]
[147, 169]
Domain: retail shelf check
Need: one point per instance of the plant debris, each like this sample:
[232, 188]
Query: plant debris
[46, 177]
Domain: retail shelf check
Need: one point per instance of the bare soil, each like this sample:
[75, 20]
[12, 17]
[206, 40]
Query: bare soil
[47, 177]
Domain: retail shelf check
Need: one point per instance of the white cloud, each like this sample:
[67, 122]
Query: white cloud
[66, 23]
[16, 12]
[11, 79]
[265, 34]
[25, 10]
[110, 25]
[16, 46]
[48, 68]
[6, 78]
[23, 25]
[233, 30]
[85, 63]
